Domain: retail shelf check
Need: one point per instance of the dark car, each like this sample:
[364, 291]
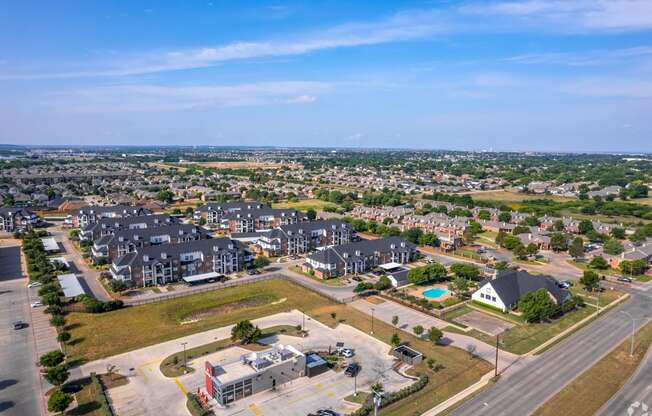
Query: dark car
[624, 279]
[252, 272]
[327, 412]
[19, 325]
[352, 369]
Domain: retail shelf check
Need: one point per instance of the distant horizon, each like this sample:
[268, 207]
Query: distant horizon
[336, 148]
[514, 75]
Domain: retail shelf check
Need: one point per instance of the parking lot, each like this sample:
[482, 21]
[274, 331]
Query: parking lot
[484, 323]
[150, 393]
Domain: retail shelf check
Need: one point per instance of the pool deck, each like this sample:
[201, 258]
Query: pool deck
[418, 291]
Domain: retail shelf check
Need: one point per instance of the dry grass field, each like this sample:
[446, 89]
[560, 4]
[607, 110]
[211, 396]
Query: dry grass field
[511, 196]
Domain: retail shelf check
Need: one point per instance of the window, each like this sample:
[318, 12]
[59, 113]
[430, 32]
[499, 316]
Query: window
[493, 298]
[482, 295]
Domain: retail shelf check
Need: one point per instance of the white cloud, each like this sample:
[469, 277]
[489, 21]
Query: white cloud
[399, 27]
[147, 98]
[573, 15]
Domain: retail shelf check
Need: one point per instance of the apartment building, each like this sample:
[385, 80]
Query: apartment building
[303, 237]
[359, 257]
[123, 241]
[81, 217]
[17, 219]
[108, 226]
[246, 217]
[190, 261]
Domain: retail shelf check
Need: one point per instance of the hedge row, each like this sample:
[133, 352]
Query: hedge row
[100, 396]
[195, 406]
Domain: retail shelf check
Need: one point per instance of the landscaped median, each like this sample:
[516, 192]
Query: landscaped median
[593, 388]
[451, 369]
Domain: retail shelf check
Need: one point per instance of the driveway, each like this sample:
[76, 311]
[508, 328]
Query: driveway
[19, 382]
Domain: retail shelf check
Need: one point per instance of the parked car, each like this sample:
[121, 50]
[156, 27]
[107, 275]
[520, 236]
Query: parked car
[624, 279]
[19, 325]
[564, 284]
[327, 412]
[252, 271]
[352, 370]
[36, 304]
[34, 284]
[347, 353]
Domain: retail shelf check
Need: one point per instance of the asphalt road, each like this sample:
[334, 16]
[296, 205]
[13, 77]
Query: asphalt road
[19, 390]
[526, 389]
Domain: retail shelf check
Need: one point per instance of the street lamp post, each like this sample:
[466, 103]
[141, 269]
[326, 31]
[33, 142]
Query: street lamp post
[372, 321]
[377, 400]
[185, 364]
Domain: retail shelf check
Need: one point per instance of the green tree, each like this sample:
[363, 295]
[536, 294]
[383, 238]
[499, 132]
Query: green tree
[537, 306]
[424, 274]
[618, 233]
[311, 214]
[532, 249]
[483, 214]
[465, 270]
[585, 226]
[395, 320]
[613, 247]
[576, 249]
[52, 358]
[56, 375]
[590, 280]
[633, 267]
[383, 283]
[245, 332]
[418, 330]
[558, 225]
[599, 263]
[58, 321]
[435, 335]
[558, 242]
[459, 286]
[63, 337]
[520, 252]
[505, 217]
[59, 401]
[395, 340]
[260, 262]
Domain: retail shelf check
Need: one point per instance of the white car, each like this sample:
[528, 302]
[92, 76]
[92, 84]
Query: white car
[34, 284]
[347, 353]
[36, 304]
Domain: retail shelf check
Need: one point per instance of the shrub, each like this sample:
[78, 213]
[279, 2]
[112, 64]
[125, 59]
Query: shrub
[105, 409]
[195, 406]
[52, 359]
[59, 401]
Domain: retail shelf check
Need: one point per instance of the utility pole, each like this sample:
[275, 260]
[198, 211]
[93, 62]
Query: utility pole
[496, 365]
[631, 347]
[185, 364]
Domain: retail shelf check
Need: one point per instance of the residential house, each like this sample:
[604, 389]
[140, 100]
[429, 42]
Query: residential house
[641, 251]
[541, 241]
[505, 290]
[245, 217]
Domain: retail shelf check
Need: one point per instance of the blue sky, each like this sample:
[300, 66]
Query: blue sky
[557, 75]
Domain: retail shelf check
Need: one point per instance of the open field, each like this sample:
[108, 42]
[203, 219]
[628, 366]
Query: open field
[306, 204]
[139, 326]
[153, 323]
[241, 164]
[511, 196]
[588, 392]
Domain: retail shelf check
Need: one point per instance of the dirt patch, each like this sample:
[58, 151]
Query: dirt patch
[225, 309]
[375, 300]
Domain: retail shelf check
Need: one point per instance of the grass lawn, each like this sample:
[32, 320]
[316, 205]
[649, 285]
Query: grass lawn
[172, 366]
[525, 337]
[306, 204]
[510, 196]
[487, 238]
[360, 398]
[101, 335]
[450, 316]
[594, 387]
[88, 397]
[610, 271]
[606, 297]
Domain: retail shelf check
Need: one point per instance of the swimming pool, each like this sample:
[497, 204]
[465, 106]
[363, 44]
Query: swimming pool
[435, 292]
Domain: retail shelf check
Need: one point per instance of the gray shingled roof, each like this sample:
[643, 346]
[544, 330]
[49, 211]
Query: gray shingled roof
[365, 247]
[511, 285]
